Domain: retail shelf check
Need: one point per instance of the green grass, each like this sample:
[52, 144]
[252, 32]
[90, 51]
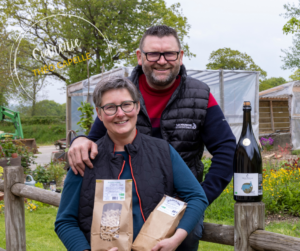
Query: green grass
[40, 233]
[43, 134]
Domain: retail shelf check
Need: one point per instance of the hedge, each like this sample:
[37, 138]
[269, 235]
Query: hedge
[40, 120]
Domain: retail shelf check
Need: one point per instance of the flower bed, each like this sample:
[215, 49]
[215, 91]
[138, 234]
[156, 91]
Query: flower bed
[281, 188]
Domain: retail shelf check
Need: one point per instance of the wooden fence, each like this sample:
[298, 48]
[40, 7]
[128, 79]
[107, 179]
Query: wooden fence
[246, 235]
[274, 115]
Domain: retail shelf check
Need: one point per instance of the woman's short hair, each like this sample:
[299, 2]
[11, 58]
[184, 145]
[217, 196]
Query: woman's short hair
[112, 83]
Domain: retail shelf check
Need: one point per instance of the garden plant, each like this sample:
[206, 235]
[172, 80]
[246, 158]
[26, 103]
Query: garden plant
[9, 147]
[52, 171]
[267, 143]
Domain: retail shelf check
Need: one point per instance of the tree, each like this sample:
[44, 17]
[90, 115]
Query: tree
[295, 76]
[293, 14]
[44, 108]
[291, 59]
[228, 59]
[121, 22]
[270, 83]
[5, 83]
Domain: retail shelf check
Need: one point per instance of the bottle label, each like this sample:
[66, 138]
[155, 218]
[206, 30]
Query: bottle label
[246, 184]
[246, 142]
[260, 184]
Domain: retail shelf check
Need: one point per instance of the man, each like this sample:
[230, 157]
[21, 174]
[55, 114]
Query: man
[177, 108]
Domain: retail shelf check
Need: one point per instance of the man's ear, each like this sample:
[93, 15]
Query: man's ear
[98, 110]
[180, 56]
[139, 56]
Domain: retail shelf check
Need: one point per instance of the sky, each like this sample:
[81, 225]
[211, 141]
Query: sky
[252, 27]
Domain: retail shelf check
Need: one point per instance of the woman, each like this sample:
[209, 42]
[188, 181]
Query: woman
[126, 153]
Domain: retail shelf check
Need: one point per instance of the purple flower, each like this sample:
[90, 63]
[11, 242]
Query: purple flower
[271, 141]
[266, 142]
[263, 141]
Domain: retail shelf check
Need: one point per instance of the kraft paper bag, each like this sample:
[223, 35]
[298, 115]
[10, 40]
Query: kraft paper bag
[112, 224]
[161, 224]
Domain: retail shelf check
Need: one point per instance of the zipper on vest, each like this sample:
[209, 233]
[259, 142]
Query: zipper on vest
[174, 95]
[140, 202]
[121, 169]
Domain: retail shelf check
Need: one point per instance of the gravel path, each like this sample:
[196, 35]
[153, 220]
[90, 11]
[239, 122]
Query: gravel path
[44, 157]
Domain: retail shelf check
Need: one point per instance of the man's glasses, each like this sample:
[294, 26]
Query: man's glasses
[111, 109]
[155, 56]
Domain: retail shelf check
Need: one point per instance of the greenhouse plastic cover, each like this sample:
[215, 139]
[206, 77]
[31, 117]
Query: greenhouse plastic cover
[287, 91]
[239, 86]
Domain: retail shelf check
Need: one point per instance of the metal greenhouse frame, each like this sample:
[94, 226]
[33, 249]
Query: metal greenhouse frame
[229, 87]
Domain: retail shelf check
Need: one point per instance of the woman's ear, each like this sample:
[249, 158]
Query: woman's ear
[138, 107]
[98, 110]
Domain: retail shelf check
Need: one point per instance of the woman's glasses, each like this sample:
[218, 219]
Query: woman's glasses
[111, 109]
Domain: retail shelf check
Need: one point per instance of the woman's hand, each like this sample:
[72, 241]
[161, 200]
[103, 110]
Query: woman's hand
[172, 243]
[165, 245]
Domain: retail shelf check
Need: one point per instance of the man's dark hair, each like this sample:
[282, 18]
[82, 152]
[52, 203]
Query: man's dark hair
[160, 31]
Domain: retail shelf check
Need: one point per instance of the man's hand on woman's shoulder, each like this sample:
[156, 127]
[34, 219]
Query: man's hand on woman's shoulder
[78, 154]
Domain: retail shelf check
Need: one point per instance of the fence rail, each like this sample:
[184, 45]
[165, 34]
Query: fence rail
[248, 234]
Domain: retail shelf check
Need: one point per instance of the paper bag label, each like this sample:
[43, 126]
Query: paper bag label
[114, 190]
[171, 206]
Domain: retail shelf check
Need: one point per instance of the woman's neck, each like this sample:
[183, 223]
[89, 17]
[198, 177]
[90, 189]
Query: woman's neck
[121, 140]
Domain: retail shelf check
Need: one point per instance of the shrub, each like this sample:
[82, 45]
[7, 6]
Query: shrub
[56, 171]
[286, 149]
[8, 146]
[52, 171]
[207, 163]
[86, 117]
[40, 174]
[296, 152]
[281, 188]
[267, 143]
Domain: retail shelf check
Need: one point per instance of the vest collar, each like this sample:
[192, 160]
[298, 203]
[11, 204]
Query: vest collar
[131, 149]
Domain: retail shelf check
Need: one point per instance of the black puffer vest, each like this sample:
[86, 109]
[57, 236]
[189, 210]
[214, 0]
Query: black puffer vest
[151, 166]
[182, 120]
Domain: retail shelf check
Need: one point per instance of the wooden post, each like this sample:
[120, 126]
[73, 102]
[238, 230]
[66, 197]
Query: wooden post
[14, 210]
[248, 217]
[271, 115]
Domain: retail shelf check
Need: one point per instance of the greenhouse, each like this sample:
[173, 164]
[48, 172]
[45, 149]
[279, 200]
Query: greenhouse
[280, 110]
[230, 88]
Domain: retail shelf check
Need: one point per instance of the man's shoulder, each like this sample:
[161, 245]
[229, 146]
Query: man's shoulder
[190, 82]
[196, 83]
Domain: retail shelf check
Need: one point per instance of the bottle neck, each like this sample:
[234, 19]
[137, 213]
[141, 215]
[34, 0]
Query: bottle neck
[247, 125]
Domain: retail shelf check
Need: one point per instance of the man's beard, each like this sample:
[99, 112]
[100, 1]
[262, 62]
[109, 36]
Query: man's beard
[150, 75]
